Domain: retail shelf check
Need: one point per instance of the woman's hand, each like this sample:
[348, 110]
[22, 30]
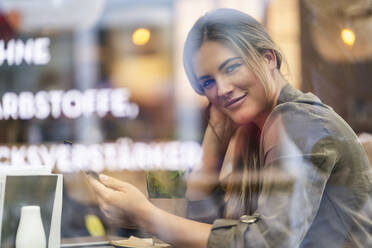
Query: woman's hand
[125, 206]
[202, 181]
[122, 203]
[221, 126]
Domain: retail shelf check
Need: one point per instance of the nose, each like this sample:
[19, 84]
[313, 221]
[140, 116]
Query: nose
[224, 89]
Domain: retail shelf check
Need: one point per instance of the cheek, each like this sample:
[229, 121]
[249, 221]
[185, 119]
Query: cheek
[262, 98]
[211, 96]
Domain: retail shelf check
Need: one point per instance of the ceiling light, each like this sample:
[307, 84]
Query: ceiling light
[348, 36]
[141, 36]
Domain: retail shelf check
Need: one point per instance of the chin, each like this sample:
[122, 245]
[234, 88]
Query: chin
[241, 120]
[244, 117]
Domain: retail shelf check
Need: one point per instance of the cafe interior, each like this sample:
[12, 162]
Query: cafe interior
[99, 86]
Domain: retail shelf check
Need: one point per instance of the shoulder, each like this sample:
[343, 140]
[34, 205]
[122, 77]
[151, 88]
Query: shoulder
[307, 115]
[301, 121]
[303, 107]
[305, 122]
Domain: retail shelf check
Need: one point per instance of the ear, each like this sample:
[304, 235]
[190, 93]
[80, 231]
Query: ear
[270, 59]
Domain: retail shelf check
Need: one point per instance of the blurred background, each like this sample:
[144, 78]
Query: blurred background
[108, 77]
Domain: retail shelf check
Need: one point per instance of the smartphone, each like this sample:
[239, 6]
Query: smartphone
[93, 174]
[67, 142]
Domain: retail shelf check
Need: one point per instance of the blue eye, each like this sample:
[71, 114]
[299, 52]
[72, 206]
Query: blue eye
[231, 68]
[208, 83]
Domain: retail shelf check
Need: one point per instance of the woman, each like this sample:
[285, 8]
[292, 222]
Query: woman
[299, 177]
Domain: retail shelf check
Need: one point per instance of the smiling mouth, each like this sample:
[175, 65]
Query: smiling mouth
[232, 102]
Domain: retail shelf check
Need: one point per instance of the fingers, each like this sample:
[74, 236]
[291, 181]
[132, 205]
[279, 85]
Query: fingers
[113, 183]
[100, 189]
[115, 217]
[107, 199]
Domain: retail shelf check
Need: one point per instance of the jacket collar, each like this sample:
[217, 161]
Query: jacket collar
[288, 94]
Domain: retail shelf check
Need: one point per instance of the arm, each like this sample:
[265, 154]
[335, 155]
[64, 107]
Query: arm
[125, 206]
[180, 232]
[217, 136]
[200, 183]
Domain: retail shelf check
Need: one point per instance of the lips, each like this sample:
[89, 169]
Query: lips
[233, 102]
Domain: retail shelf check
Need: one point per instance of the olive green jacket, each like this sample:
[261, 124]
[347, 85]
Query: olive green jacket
[316, 184]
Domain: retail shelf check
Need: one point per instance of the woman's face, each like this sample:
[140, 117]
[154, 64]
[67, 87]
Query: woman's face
[229, 84]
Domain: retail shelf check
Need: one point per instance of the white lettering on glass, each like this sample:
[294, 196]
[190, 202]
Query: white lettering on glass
[33, 51]
[10, 106]
[71, 104]
[124, 154]
[26, 106]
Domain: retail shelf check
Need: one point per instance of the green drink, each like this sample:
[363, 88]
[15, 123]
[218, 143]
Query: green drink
[166, 184]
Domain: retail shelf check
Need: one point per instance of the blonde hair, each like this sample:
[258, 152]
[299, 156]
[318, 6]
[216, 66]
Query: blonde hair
[244, 184]
[240, 32]
[249, 39]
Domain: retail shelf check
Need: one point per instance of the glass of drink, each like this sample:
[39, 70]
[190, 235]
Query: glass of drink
[166, 184]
